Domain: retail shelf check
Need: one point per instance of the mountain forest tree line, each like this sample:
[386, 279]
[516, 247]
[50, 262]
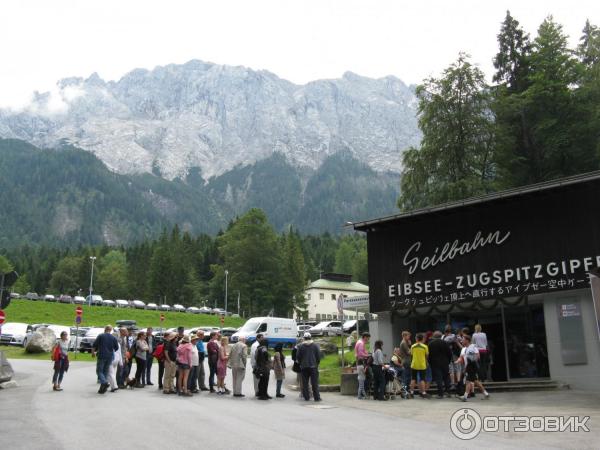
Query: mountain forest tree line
[539, 121]
[266, 270]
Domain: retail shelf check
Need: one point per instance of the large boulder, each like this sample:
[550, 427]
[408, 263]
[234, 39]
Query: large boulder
[327, 347]
[41, 341]
[6, 370]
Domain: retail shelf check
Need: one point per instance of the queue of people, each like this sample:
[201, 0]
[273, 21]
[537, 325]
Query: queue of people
[456, 363]
[180, 360]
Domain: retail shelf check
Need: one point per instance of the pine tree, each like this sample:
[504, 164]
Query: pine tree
[511, 61]
[160, 272]
[294, 275]
[589, 45]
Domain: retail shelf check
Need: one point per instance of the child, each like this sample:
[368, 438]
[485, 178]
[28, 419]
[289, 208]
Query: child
[360, 369]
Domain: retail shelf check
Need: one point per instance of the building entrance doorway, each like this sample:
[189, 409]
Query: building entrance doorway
[516, 338]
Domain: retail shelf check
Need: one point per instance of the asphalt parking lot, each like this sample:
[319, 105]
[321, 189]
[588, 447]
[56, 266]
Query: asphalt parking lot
[32, 416]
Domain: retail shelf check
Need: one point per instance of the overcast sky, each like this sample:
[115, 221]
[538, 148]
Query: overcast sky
[300, 40]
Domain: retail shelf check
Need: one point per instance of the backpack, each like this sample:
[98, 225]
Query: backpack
[471, 356]
[159, 353]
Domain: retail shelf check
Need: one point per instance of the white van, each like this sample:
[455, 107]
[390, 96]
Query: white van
[275, 329]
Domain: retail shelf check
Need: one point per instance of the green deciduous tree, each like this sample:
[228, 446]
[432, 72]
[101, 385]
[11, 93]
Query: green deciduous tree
[112, 280]
[252, 255]
[64, 278]
[5, 265]
[455, 159]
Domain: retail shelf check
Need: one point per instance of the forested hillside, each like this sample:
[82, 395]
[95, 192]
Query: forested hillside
[538, 121]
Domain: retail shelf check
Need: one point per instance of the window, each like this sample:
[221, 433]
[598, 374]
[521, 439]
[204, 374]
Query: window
[328, 316]
[318, 317]
[321, 296]
[262, 328]
[333, 297]
[334, 317]
[308, 296]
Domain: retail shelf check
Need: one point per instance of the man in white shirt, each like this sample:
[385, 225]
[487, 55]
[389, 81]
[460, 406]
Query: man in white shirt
[469, 357]
[253, 348]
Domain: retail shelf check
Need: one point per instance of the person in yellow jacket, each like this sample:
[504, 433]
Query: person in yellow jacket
[419, 352]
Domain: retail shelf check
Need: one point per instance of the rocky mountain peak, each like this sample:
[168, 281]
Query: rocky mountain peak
[216, 117]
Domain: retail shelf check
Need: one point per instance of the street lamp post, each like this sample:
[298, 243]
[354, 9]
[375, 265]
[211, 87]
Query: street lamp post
[238, 302]
[92, 258]
[226, 273]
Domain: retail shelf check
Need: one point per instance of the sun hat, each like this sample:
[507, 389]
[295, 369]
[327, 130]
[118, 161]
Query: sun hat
[186, 338]
[307, 335]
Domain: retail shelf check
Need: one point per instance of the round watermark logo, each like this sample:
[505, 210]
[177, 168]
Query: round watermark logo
[465, 424]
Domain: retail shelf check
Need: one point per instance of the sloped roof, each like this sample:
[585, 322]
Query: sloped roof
[338, 286]
[524, 190]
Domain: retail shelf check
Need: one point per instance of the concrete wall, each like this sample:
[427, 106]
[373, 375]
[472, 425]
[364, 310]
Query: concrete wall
[580, 376]
[382, 329]
[328, 305]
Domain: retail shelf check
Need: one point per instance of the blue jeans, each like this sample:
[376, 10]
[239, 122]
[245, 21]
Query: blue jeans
[146, 379]
[120, 375]
[406, 373]
[102, 366]
[58, 373]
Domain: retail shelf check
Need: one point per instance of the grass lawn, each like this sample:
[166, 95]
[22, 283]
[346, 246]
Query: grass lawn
[330, 368]
[28, 311]
[12, 352]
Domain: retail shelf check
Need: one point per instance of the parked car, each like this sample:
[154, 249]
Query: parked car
[179, 308]
[76, 335]
[96, 300]
[87, 341]
[129, 324]
[110, 303]
[32, 296]
[164, 308]
[349, 326]
[207, 331]
[302, 329]
[65, 299]
[14, 295]
[327, 328]
[138, 304]
[15, 333]
[78, 300]
[49, 298]
[228, 331]
[122, 303]
[152, 306]
[275, 329]
[205, 310]
[193, 310]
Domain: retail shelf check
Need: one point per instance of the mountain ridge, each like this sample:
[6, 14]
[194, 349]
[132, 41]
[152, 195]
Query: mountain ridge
[212, 118]
[68, 197]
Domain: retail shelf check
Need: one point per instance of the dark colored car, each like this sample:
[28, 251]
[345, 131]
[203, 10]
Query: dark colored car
[228, 331]
[65, 299]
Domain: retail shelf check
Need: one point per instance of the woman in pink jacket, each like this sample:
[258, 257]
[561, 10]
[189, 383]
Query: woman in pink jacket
[184, 363]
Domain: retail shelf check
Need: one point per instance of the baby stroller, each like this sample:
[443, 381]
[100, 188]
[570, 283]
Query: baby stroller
[393, 384]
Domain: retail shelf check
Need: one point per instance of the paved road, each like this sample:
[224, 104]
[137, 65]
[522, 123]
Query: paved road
[34, 417]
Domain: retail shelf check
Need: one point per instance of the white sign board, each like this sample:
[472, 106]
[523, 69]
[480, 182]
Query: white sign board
[359, 302]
